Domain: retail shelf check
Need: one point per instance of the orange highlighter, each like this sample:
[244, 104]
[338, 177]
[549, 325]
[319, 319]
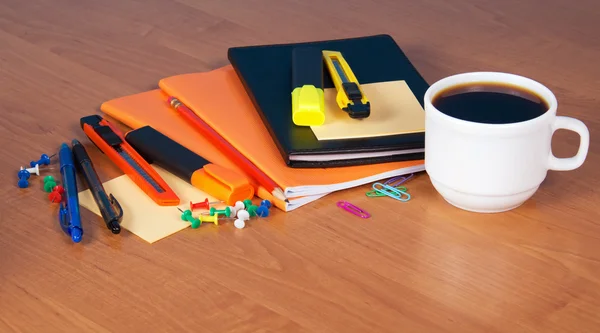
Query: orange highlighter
[219, 182]
[111, 142]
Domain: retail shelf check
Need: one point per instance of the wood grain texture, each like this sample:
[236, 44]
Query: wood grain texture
[421, 266]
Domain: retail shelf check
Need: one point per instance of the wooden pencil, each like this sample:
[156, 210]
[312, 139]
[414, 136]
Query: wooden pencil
[227, 148]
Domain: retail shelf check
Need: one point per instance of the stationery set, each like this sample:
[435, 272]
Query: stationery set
[291, 123]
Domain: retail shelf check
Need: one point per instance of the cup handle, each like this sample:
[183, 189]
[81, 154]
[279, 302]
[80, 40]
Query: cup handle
[570, 163]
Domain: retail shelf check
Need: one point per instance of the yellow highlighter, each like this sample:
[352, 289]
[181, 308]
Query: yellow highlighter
[350, 96]
[308, 102]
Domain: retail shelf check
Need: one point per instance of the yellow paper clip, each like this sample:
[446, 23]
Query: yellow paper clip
[350, 96]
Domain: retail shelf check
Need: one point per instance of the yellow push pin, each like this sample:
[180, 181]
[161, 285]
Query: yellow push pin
[206, 218]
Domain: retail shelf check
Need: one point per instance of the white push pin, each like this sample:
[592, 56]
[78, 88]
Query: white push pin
[243, 215]
[233, 211]
[35, 169]
[240, 224]
[239, 205]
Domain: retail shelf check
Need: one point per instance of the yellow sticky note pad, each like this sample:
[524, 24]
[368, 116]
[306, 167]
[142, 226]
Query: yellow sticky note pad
[394, 110]
[141, 215]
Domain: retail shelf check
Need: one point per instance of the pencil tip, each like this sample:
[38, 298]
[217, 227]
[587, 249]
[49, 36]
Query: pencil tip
[278, 193]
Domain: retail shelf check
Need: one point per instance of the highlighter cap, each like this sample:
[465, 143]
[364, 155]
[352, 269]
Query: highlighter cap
[308, 103]
[308, 106]
[219, 182]
[223, 184]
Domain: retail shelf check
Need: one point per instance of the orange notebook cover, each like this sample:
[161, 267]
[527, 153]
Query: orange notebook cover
[219, 98]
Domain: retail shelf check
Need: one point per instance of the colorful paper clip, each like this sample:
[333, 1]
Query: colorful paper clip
[374, 193]
[393, 182]
[353, 209]
[397, 181]
[391, 192]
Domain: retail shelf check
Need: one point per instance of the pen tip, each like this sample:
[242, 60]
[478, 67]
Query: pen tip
[114, 227]
[76, 234]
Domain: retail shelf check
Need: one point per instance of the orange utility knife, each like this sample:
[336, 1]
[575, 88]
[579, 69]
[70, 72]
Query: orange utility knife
[217, 181]
[112, 143]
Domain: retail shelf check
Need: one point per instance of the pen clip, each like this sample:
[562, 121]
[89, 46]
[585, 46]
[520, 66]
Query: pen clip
[63, 219]
[116, 206]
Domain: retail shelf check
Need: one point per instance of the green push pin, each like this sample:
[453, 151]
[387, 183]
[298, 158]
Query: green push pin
[247, 203]
[252, 210]
[226, 211]
[49, 183]
[187, 216]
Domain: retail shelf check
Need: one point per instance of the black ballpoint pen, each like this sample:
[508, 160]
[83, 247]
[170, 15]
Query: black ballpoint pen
[109, 206]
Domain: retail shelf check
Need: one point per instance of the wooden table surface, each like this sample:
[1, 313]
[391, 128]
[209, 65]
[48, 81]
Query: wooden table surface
[421, 266]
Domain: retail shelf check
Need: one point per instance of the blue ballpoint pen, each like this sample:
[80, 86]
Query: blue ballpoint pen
[69, 217]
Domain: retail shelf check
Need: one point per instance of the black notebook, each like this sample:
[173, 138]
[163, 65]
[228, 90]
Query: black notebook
[266, 73]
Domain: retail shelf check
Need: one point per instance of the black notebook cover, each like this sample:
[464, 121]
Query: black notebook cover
[266, 73]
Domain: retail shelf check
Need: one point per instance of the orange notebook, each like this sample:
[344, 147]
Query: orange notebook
[219, 98]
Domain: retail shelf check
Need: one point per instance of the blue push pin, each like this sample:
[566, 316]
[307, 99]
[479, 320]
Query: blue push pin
[23, 176]
[44, 160]
[263, 210]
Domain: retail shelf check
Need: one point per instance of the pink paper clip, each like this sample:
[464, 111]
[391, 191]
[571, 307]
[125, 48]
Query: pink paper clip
[353, 209]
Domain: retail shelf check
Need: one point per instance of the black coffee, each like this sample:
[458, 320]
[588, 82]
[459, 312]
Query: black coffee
[490, 103]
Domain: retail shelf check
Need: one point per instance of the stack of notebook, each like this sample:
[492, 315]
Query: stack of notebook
[249, 104]
[393, 86]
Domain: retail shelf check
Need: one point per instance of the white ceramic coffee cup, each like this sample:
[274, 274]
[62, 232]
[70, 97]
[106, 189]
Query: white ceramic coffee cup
[494, 167]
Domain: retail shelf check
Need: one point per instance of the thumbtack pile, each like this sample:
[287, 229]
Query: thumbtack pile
[55, 192]
[24, 174]
[243, 210]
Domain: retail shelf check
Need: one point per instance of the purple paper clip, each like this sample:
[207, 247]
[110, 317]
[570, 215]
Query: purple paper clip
[397, 181]
[353, 209]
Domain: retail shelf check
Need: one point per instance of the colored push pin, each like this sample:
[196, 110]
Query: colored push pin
[252, 210]
[49, 184]
[203, 204]
[44, 160]
[187, 216]
[226, 211]
[263, 210]
[247, 203]
[59, 189]
[23, 176]
[54, 197]
[214, 219]
[56, 194]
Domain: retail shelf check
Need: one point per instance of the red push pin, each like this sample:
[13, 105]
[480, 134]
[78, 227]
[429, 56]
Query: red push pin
[56, 194]
[203, 204]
